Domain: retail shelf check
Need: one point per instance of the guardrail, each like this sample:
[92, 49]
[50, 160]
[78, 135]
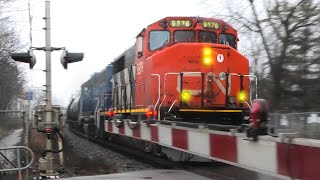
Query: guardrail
[18, 166]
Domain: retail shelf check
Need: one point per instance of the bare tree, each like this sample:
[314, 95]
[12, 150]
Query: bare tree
[11, 76]
[38, 97]
[284, 43]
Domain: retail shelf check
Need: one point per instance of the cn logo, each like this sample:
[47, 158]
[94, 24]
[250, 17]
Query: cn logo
[220, 58]
[139, 68]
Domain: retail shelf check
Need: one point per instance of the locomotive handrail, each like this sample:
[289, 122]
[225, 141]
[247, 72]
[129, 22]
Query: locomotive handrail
[248, 104]
[164, 91]
[155, 106]
[249, 75]
[191, 73]
[172, 105]
[164, 87]
[256, 79]
[182, 74]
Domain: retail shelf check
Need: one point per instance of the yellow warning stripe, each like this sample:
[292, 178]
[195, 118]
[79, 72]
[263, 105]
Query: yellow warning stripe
[103, 113]
[208, 110]
[132, 110]
[141, 110]
[127, 111]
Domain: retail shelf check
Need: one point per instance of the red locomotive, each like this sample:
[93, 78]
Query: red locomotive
[182, 68]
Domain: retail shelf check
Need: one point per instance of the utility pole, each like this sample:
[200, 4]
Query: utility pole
[48, 84]
[46, 162]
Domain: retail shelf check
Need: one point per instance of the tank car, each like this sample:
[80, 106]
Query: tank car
[73, 110]
[95, 97]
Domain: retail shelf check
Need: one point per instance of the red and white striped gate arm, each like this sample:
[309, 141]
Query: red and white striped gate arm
[299, 159]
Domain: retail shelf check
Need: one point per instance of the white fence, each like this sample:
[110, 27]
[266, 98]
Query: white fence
[307, 124]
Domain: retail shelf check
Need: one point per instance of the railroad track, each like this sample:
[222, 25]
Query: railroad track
[157, 161]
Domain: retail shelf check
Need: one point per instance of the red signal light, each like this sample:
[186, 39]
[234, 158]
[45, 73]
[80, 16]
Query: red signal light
[111, 112]
[151, 112]
[48, 130]
[155, 113]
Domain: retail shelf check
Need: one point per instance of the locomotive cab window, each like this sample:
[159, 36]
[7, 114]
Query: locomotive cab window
[158, 39]
[207, 37]
[227, 39]
[183, 36]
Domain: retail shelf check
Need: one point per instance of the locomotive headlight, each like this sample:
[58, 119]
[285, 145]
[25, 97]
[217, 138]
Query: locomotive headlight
[185, 96]
[207, 56]
[242, 96]
[207, 51]
[207, 60]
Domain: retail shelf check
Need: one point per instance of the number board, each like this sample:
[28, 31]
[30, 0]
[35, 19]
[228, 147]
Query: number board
[180, 23]
[210, 25]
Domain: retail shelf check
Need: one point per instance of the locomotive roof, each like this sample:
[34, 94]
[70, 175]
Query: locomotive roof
[127, 54]
[125, 60]
[97, 77]
[191, 17]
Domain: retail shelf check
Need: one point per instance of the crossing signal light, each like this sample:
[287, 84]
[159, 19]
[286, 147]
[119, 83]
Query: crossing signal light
[67, 58]
[26, 57]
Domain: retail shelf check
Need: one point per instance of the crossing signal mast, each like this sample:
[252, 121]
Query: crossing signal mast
[45, 164]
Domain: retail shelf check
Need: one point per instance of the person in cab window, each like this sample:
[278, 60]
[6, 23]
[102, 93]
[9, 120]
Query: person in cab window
[223, 40]
[227, 39]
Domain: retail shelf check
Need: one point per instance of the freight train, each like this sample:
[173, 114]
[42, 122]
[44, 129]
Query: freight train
[179, 69]
[168, 94]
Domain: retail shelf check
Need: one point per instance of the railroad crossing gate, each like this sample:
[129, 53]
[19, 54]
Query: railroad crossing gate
[285, 156]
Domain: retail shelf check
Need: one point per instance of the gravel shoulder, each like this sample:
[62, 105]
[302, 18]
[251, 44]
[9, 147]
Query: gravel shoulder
[83, 158]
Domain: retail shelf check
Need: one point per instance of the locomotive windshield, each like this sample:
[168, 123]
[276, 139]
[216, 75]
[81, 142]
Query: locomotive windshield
[228, 39]
[183, 36]
[208, 37]
[158, 39]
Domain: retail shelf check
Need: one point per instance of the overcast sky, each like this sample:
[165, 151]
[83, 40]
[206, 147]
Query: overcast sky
[102, 29]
